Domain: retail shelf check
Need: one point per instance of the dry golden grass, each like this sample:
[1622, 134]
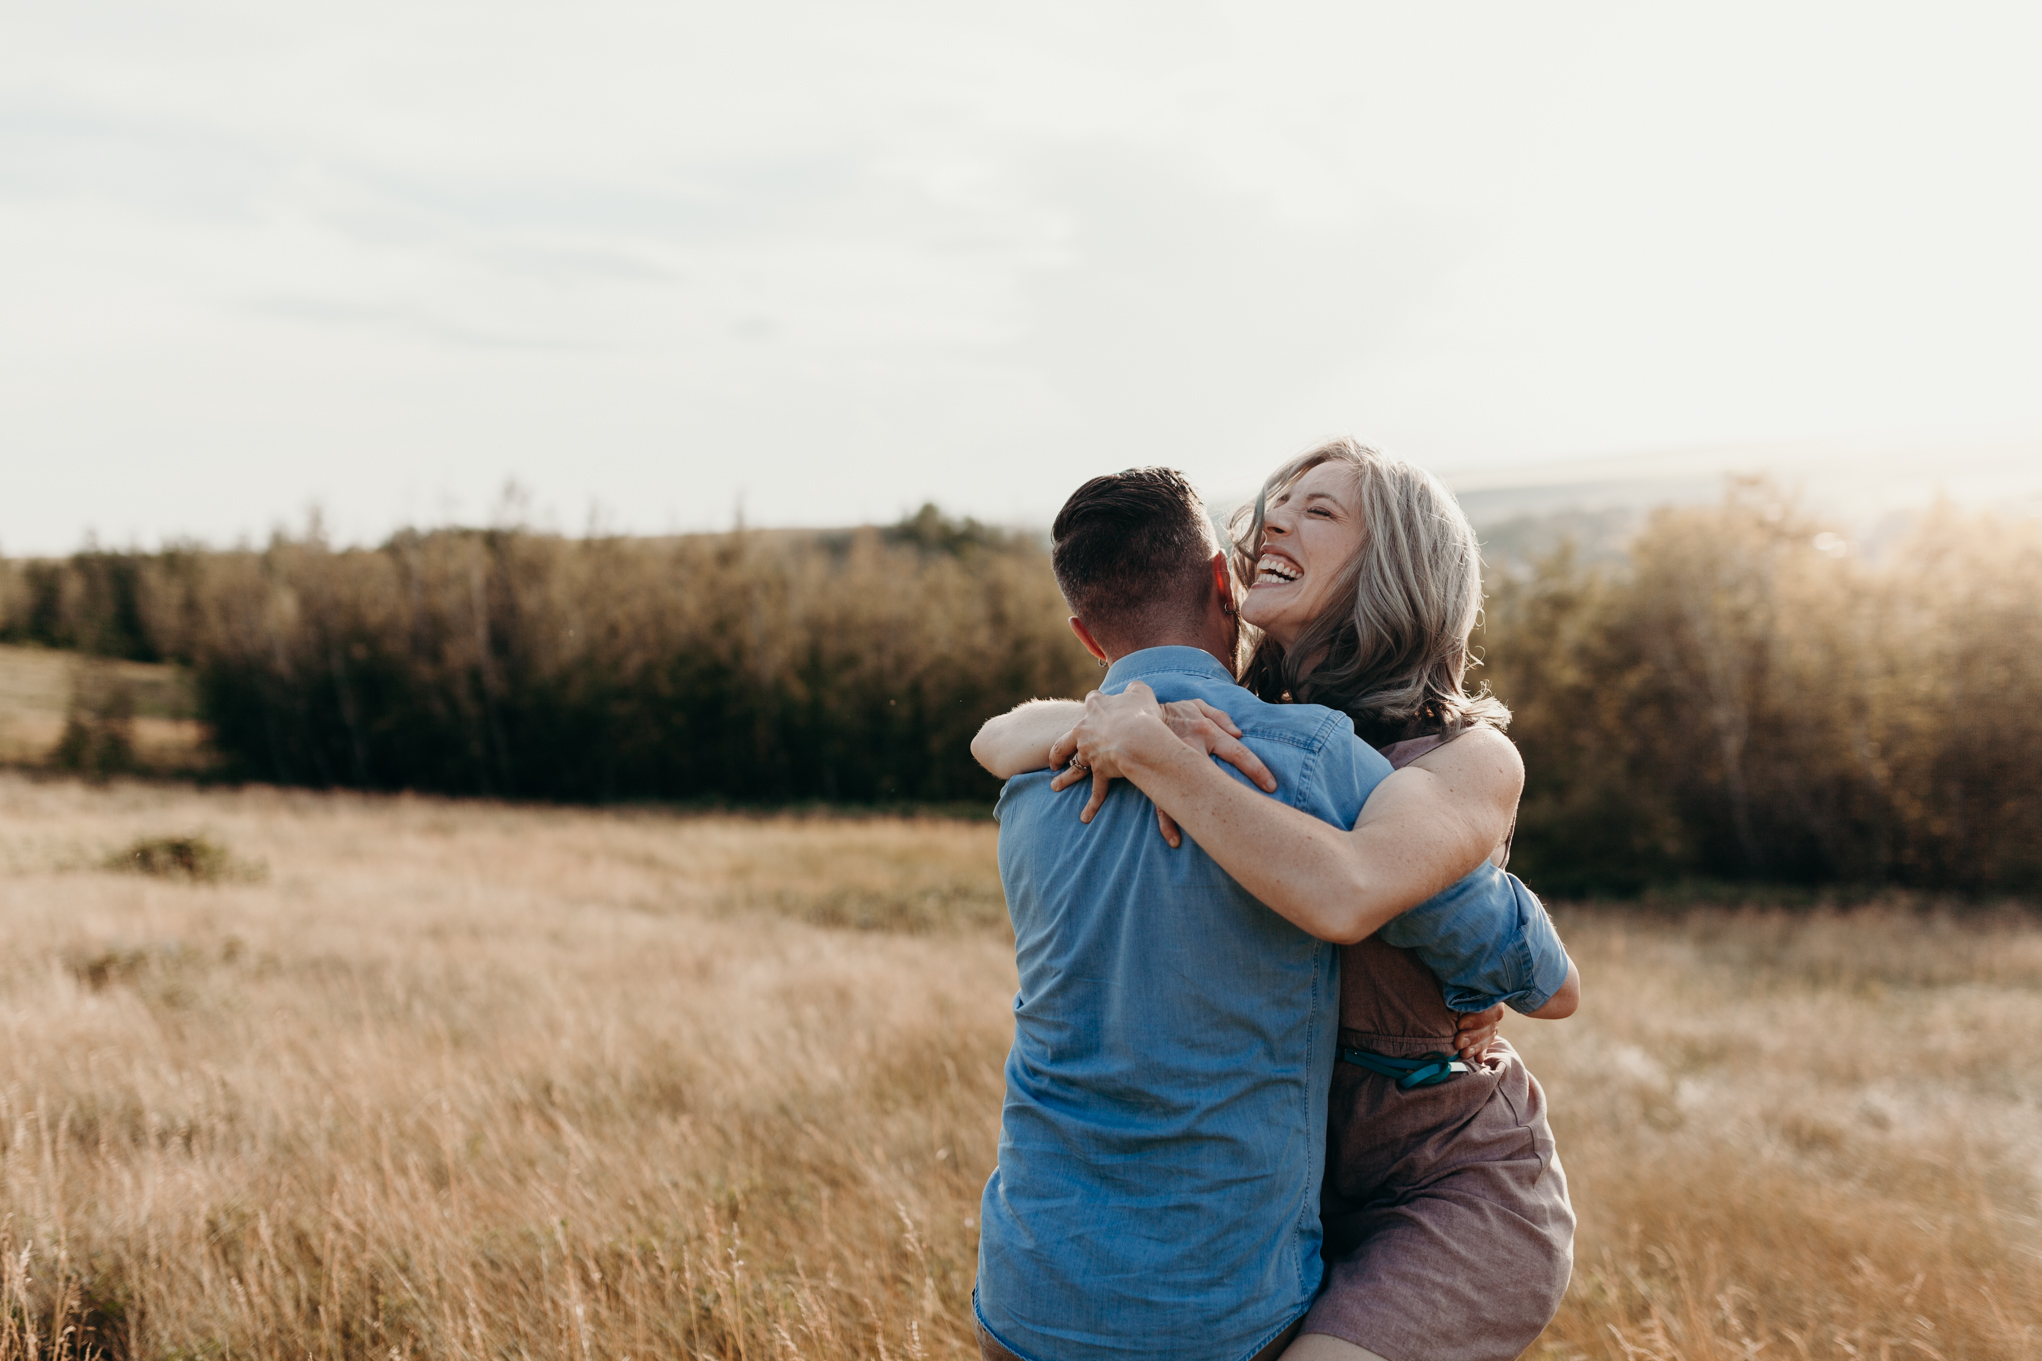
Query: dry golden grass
[423, 1078]
[1816, 1137]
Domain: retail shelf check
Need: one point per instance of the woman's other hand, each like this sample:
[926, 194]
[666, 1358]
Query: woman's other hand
[1195, 723]
[1477, 1028]
[1113, 727]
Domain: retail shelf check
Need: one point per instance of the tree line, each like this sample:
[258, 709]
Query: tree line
[751, 666]
[1741, 698]
[1747, 697]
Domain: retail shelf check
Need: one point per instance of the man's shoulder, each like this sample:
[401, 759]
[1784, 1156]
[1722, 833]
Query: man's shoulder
[1312, 727]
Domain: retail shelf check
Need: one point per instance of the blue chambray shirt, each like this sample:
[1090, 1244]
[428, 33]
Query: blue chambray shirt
[1163, 1136]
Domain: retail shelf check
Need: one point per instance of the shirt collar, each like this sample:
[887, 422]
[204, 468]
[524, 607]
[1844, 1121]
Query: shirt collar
[1155, 661]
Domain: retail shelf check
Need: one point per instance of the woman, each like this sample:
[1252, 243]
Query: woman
[1448, 1231]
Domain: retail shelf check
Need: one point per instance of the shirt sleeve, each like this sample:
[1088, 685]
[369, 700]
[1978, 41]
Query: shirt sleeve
[1488, 939]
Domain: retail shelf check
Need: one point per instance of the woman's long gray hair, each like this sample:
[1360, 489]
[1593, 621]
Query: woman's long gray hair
[1391, 649]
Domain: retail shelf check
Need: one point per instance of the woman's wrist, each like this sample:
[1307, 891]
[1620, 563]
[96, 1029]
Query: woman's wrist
[1150, 755]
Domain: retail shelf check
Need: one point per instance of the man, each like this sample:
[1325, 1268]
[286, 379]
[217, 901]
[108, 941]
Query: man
[1163, 1137]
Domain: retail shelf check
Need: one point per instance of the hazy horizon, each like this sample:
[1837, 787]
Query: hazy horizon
[1830, 483]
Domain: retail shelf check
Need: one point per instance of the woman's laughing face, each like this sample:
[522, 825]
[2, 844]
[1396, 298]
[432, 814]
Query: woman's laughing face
[1310, 531]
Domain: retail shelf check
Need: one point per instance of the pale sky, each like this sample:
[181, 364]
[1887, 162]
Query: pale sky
[654, 260]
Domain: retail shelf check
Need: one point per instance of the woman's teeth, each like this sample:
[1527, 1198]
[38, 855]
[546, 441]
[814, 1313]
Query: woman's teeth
[1276, 570]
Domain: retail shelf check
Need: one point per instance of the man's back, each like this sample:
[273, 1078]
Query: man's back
[1163, 1135]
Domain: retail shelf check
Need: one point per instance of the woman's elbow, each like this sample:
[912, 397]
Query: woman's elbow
[985, 750]
[1340, 932]
[1361, 915]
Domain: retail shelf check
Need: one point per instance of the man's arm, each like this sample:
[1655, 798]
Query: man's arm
[1566, 1001]
[1489, 941]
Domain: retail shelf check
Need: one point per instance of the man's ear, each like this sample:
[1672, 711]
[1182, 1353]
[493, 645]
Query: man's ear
[1085, 637]
[1222, 582]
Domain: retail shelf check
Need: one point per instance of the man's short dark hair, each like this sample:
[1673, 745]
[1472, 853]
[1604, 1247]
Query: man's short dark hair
[1131, 551]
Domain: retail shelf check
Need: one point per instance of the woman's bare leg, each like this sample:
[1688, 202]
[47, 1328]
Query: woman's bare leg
[1326, 1347]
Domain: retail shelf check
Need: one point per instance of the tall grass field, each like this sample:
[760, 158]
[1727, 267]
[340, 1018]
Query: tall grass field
[299, 1074]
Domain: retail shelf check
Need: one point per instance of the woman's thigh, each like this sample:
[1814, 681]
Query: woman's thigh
[1471, 1269]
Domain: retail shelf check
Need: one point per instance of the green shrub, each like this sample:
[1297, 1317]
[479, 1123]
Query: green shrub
[175, 857]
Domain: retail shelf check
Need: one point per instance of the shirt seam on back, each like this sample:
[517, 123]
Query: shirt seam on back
[1178, 671]
[1288, 739]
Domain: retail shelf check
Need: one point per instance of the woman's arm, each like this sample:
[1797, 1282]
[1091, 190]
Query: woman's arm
[1423, 829]
[1019, 740]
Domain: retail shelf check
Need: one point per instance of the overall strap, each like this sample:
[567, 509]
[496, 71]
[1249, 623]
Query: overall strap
[1424, 1071]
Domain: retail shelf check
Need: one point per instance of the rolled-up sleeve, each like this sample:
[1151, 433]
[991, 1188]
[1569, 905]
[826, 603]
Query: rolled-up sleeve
[1488, 939]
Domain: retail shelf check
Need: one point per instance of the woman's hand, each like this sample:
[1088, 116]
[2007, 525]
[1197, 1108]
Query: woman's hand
[1116, 728]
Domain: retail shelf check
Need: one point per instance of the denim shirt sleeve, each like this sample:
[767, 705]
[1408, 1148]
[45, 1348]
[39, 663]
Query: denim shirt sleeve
[1488, 940]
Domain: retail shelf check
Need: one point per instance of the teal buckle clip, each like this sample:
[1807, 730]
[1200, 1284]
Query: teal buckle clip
[1427, 1070]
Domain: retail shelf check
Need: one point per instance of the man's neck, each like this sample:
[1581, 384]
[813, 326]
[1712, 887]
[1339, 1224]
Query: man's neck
[1172, 640]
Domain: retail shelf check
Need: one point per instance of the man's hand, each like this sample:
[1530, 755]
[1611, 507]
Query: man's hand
[1477, 1028]
[1091, 747]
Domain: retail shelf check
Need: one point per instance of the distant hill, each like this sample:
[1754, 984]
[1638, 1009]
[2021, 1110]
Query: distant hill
[1869, 495]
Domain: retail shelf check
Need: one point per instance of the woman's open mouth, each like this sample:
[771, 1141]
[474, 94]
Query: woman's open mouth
[1274, 569]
